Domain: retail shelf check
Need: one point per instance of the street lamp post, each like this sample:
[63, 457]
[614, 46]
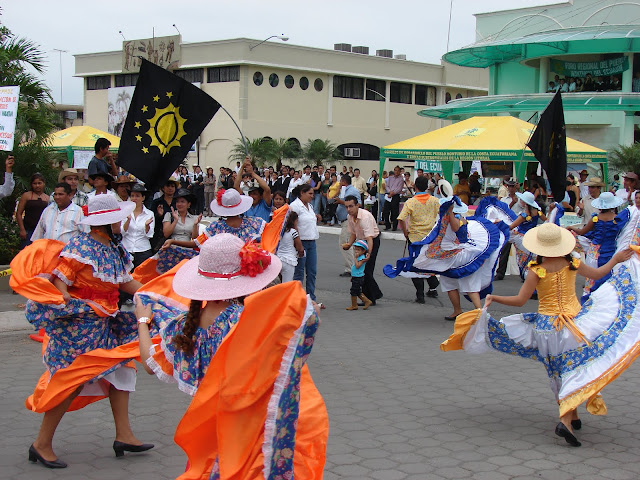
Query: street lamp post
[281, 37]
[386, 107]
[60, 52]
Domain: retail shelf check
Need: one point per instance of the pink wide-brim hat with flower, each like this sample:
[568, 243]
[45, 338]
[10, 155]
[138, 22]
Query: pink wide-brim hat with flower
[104, 209]
[223, 270]
[229, 203]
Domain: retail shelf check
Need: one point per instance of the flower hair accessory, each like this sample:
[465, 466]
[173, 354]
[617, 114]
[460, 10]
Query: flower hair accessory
[253, 260]
[219, 196]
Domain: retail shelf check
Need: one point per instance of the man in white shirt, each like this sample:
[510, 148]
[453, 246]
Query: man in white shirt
[512, 201]
[306, 176]
[584, 189]
[6, 188]
[61, 219]
[237, 169]
[101, 182]
[358, 182]
[595, 186]
[295, 181]
[627, 193]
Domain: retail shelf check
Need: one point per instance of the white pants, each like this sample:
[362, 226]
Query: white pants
[287, 272]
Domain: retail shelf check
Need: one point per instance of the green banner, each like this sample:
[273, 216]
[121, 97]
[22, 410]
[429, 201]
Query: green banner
[602, 68]
[429, 167]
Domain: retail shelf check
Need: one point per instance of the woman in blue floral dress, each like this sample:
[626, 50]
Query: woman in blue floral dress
[226, 271]
[73, 294]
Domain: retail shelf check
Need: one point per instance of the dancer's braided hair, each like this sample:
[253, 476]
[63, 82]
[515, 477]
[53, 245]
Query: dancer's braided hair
[185, 341]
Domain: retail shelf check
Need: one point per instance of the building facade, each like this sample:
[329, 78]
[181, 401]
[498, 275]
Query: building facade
[566, 43]
[358, 101]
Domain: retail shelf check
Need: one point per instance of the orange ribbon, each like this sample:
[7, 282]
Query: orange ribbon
[565, 320]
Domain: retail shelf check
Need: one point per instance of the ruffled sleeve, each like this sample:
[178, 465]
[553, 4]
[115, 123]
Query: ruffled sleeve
[67, 270]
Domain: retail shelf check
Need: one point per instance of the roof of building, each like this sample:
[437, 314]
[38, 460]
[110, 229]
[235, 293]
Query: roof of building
[565, 41]
[513, 104]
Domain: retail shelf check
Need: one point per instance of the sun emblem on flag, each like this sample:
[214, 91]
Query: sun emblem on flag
[166, 128]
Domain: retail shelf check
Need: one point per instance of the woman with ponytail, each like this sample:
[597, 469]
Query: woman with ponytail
[73, 292]
[218, 340]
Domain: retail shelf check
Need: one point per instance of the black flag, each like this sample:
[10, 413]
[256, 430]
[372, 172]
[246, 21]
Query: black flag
[166, 116]
[549, 144]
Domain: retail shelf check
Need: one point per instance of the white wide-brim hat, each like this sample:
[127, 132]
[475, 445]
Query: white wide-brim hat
[215, 273]
[606, 200]
[104, 209]
[528, 198]
[549, 240]
[231, 203]
[445, 188]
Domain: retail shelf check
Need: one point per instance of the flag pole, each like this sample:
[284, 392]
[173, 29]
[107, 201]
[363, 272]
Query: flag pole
[244, 141]
[526, 143]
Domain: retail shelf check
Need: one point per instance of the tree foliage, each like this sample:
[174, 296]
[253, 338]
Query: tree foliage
[318, 151]
[625, 158]
[265, 151]
[19, 58]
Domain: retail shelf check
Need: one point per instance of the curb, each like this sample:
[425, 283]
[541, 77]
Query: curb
[14, 321]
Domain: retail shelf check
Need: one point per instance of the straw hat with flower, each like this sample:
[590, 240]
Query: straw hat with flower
[226, 268]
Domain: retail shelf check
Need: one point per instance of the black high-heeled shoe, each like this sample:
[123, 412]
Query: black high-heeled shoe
[564, 432]
[576, 424]
[121, 447]
[35, 457]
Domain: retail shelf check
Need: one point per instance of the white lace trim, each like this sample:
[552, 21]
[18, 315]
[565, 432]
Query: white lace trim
[96, 272]
[62, 277]
[157, 369]
[161, 298]
[281, 382]
[182, 385]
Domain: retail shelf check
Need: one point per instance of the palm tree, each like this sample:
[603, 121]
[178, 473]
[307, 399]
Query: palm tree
[625, 158]
[19, 57]
[285, 149]
[316, 151]
[260, 151]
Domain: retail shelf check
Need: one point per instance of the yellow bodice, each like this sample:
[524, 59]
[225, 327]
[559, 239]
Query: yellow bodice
[557, 297]
[557, 292]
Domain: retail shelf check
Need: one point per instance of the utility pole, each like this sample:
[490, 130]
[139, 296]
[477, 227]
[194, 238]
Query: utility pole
[60, 52]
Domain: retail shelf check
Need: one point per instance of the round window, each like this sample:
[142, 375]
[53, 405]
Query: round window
[274, 80]
[304, 83]
[288, 81]
[257, 78]
[318, 85]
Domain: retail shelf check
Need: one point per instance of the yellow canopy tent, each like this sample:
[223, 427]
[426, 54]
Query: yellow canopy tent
[498, 139]
[81, 139]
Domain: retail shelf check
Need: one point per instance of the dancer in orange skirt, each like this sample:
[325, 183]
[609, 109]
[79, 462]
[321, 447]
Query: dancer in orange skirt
[73, 294]
[256, 412]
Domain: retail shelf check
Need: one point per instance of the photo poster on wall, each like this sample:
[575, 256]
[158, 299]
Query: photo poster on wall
[8, 110]
[118, 101]
[163, 51]
[81, 158]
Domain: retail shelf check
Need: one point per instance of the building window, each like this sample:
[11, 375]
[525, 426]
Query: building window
[191, 75]
[304, 83]
[401, 92]
[376, 90]
[318, 85]
[425, 95]
[274, 80]
[223, 74]
[99, 83]
[447, 97]
[288, 81]
[458, 96]
[258, 78]
[348, 87]
[126, 80]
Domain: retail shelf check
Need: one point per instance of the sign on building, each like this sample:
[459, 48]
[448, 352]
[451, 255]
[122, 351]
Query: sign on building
[118, 101]
[163, 51]
[9, 97]
[600, 68]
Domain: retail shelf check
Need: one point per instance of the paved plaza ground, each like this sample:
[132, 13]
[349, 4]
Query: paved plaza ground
[399, 407]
